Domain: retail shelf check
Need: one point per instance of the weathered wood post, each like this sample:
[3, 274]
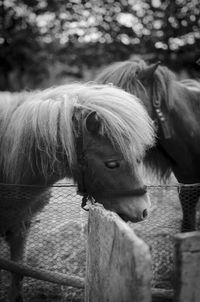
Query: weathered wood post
[118, 262]
[187, 267]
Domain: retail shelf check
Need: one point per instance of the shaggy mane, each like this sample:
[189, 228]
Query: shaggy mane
[41, 123]
[125, 75]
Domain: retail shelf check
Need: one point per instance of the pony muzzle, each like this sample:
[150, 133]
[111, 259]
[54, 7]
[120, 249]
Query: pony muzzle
[131, 208]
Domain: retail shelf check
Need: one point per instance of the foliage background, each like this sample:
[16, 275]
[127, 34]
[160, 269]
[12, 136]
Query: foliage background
[46, 42]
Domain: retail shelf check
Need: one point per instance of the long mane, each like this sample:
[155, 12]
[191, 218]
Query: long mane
[125, 75]
[42, 123]
[191, 84]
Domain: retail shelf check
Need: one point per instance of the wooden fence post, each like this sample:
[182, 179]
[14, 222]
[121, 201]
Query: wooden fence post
[187, 267]
[118, 262]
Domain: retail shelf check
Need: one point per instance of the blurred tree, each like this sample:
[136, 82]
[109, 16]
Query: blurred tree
[173, 30]
[21, 51]
[105, 30]
[37, 33]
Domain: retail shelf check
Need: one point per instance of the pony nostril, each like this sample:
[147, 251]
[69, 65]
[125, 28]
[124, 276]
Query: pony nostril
[144, 214]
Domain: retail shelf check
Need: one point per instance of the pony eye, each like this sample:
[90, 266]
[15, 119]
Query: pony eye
[112, 164]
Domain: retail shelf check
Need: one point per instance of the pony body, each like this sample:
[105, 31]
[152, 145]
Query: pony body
[175, 108]
[94, 134]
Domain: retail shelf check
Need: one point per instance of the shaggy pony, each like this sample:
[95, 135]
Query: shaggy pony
[44, 137]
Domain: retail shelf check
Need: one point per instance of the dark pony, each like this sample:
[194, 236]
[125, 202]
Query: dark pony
[94, 134]
[174, 107]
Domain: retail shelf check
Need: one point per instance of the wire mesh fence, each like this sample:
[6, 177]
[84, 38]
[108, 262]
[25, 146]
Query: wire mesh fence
[57, 238]
[164, 222]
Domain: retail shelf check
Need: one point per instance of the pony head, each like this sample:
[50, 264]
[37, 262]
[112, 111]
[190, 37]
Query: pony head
[110, 146]
[95, 134]
[108, 176]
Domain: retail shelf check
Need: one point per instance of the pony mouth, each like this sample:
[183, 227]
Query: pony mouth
[126, 218]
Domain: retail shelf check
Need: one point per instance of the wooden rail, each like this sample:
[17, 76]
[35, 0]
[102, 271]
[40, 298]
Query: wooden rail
[187, 267]
[40, 274]
[118, 262]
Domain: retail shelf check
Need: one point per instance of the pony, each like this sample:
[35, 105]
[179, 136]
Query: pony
[96, 135]
[174, 106]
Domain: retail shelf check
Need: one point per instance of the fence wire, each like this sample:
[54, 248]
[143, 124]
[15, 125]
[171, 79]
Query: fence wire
[57, 237]
[56, 241]
[159, 229]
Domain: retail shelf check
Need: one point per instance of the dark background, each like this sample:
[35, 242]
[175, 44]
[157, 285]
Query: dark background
[48, 42]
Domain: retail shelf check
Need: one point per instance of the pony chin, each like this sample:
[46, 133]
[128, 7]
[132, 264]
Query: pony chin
[129, 208]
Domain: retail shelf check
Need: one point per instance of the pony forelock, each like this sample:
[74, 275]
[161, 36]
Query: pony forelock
[43, 123]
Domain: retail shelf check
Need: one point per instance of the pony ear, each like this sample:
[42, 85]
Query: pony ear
[93, 123]
[148, 72]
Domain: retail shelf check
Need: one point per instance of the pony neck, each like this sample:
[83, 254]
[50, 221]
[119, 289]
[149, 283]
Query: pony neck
[183, 147]
[186, 104]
